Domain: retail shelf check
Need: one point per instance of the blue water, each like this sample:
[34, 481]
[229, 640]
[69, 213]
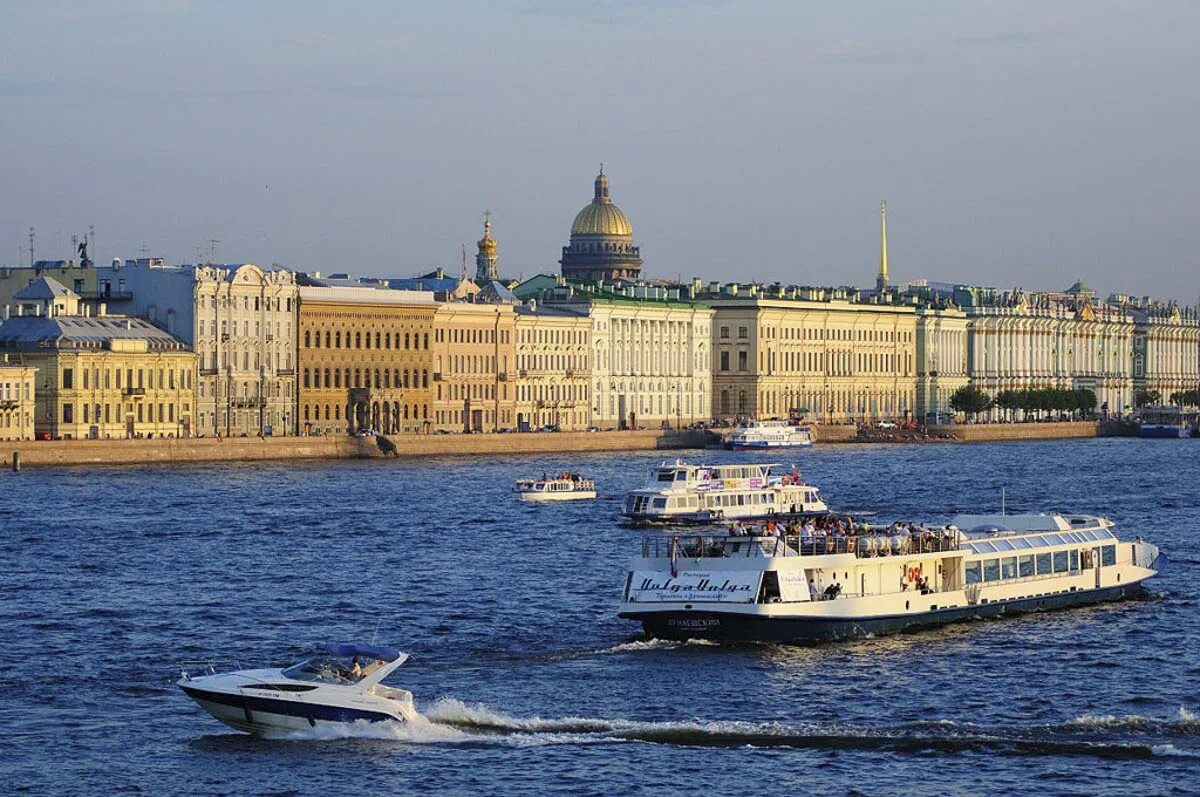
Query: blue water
[532, 684]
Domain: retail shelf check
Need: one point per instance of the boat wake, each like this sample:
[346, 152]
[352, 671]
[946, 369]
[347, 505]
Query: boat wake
[449, 721]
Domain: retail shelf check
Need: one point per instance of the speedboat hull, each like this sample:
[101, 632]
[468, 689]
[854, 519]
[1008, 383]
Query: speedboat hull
[258, 714]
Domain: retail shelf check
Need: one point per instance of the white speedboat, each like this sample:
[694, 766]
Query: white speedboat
[838, 581]
[339, 685]
[683, 493]
[763, 435]
[564, 487]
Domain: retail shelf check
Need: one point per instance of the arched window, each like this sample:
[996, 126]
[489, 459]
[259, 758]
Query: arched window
[306, 412]
[337, 340]
[387, 340]
[426, 340]
[337, 378]
[425, 378]
[378, 384]
[326, 412]
[377, 340]
[358, 340]
[406, 340]
[326, 341]
[307, 341]
[337, 412]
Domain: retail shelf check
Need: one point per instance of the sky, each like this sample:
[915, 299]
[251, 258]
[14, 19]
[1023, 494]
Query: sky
[1018, 144]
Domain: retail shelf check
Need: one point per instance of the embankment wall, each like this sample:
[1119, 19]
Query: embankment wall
[248, 449]
[990, 432]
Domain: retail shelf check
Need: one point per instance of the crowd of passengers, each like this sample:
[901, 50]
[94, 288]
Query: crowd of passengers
[846, 535]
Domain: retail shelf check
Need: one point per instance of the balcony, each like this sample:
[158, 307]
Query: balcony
[570, 373]
[106, 296]
[134, 391]
[502, 377]
[286, 372]
[522, 373]
[437, 376]
[208, 372]
[247, 403]
[9, 404]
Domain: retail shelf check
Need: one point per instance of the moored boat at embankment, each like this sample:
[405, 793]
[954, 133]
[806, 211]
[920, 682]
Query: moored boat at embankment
[803, 588]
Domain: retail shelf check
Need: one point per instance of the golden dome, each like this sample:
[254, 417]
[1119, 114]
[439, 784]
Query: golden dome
[601, 216]
[487, 244]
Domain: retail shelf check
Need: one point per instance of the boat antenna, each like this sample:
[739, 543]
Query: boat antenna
[1003, 500]
[377, 622]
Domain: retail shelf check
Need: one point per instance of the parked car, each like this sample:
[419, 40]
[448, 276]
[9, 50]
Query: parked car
[887, 425]
[550, 427]
[593, 428]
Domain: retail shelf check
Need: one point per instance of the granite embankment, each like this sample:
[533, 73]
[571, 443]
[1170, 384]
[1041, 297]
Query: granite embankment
[247, 449]
[992, 432]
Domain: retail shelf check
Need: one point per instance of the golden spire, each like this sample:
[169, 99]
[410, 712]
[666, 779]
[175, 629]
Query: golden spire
[881, 281]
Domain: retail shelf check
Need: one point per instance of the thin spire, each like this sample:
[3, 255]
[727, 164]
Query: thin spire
[881, 281]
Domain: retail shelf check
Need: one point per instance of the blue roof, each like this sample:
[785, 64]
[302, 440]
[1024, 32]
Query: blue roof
[369, 651]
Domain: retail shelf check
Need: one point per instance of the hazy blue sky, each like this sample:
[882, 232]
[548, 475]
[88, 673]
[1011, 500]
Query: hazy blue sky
[1017, 143]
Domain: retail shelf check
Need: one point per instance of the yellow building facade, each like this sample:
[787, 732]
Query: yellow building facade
[366, 360]
[553, 351]
[828, 361]
[474, 361]
[941, 360]
[99, 377]
[16, 401]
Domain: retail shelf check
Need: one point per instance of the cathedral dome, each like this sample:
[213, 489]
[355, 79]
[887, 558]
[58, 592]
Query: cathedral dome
[601, 216]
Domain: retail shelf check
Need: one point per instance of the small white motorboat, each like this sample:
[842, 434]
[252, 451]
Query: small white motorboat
[338, 685]
[564, 487]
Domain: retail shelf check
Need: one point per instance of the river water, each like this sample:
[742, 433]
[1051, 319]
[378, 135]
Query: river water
[529, 681]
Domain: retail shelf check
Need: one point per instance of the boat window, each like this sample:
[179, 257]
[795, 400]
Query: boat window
[974, 573]
[1003, 545]
[1055, 539]
[1075, 559]
[666, 476]
[1021, 542]
[681, 475]
[985, 547]
[1008, 567]
[326, 669]
[1043, 564]
[660, 503]
[991, 570]
[1060, 561]
[1025, 566]
[1108, 555]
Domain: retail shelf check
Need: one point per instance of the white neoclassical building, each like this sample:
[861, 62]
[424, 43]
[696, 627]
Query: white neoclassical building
[1024, 340]
[1166, 350]
[650, 354]
[650, 362]
[941, 358]
[241, 320]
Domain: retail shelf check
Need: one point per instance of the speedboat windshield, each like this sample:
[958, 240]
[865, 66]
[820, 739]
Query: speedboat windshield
[331, 670]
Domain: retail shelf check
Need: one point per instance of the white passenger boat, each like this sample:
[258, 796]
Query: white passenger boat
[339, 685]
[806, 587]
[564, 487]
[682, 493]
[764, 435]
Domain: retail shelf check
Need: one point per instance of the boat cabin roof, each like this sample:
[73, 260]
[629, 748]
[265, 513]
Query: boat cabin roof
[1023, 542]
[378, 652]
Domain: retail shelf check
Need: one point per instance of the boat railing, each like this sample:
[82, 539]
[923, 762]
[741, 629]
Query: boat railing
[708, 546]
[191, 668]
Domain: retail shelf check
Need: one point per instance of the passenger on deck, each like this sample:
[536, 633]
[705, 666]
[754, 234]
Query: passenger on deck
[813, 593]
[356, 670]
